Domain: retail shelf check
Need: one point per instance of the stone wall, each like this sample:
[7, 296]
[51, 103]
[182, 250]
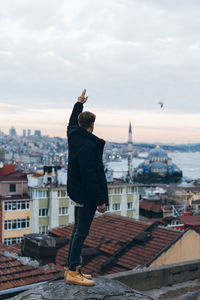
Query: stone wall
[150, 278]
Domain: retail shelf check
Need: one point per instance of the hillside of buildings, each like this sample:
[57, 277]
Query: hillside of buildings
[33, 147]
[153, 216]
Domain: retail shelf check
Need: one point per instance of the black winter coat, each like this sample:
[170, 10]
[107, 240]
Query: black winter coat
[86, 181]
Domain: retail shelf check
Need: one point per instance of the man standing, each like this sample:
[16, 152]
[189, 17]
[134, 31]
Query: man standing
[86, 185]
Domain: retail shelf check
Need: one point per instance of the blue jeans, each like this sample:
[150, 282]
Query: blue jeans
[83, 219]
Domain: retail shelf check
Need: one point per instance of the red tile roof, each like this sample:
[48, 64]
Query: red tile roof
[7, 169]
[15, 197]
[16, 248]
[15, 274]
[116, 236]
[15, 176]
[190, 220]
[150, 205]
[9, 173]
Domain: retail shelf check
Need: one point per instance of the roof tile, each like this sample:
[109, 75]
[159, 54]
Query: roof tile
[109, 234]
[14, 274]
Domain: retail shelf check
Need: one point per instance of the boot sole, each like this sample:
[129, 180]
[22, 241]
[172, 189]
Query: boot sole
[65, 277]
[80, 283]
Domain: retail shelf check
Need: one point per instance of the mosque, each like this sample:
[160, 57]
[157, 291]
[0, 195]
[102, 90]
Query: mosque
[156, 168]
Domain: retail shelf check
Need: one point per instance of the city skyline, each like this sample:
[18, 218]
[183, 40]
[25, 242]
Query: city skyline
[119, 134]
[129, 55]
[107, 127]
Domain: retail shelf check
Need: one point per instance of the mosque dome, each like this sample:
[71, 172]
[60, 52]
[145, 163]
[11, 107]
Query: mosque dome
[158, 154]
[158, 167]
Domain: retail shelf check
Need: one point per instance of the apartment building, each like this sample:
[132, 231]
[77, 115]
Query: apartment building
[52, 206]
[123, 200]
[15, 205]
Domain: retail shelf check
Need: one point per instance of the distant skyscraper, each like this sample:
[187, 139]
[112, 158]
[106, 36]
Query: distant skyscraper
[24, 132]
[29, 132]
[38, 133]
[130, 152]
[12, 131]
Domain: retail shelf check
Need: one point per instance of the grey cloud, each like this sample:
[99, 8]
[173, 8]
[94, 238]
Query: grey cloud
[130, 53]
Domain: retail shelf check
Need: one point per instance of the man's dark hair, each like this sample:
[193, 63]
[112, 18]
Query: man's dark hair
[85, 119]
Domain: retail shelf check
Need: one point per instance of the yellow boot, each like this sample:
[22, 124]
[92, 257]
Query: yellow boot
[87, 276]
[76, 277]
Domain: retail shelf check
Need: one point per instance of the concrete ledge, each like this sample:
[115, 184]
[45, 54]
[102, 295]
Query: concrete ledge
[151, 278]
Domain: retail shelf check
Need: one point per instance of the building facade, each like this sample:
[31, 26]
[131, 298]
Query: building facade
[52, 206]
[15, 205]
[124, 200]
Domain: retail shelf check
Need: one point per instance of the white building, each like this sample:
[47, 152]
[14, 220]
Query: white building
[51, 206]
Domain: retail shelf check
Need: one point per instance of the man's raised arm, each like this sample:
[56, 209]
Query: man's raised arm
[78, 107]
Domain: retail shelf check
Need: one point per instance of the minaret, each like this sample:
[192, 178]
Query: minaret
[130, 152]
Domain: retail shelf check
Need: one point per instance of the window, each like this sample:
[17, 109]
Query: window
[62, 194]
[175, 222]
[130, 189]
[108, 207]
[7, 205]
[63, 211]
[16, 224]
[43, 229]
[115, 191]
[11, 241]
[12, 188]
[16, 205]
[116, 206]
[130, 205]
[23, 205]
[41, 194]
[43, 212]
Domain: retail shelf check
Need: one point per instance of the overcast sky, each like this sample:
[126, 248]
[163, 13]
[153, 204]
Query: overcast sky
[129, 54]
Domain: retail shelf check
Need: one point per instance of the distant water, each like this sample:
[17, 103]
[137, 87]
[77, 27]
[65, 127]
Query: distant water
[188, 162]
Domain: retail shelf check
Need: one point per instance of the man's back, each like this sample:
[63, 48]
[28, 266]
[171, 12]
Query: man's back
[86, 182]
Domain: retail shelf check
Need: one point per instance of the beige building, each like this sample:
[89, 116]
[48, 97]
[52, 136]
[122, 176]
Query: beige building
[183, 195]
[16, 219]
[185, 248]
[16, 205]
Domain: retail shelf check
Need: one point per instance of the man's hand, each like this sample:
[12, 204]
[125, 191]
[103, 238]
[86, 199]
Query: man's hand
[82, 98]
[101, 208]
